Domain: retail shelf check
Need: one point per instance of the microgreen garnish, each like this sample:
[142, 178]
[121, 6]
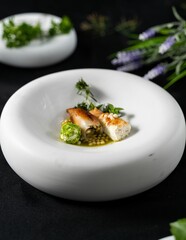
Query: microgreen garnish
[18, 35]
[111, 109]
[90, 102]
[84, 89]
[86, 106]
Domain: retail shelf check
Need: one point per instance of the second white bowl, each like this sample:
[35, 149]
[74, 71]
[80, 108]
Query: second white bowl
[39, 53]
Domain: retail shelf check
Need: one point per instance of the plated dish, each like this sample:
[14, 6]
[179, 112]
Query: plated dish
[39, 52]
[145, 158]
[91, 123]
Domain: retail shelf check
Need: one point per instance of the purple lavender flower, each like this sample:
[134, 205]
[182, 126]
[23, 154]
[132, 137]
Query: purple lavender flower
[165, 46]
[126, 57]
[156, 71]
[130, 66]
[149, 33]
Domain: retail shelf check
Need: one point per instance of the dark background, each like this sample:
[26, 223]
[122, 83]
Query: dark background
[25, 212]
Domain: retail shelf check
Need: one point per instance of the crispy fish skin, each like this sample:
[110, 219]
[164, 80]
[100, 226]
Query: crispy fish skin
[85, 120]
[115, 127]
[96, 112]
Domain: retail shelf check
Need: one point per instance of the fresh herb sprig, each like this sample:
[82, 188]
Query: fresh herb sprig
[63, 27]
[163, 45]
[84, 89]
[90, 101]
[19, 35]
[111, 109]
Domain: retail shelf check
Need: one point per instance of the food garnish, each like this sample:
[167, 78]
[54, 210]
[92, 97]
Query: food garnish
[91, 102]
[19, 35]
[97, 124]
[70, 132]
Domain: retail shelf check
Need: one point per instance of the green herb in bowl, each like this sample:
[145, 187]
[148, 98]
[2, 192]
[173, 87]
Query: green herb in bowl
[19, 35]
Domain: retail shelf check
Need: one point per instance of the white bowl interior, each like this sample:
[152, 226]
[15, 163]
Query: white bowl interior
[45, 102]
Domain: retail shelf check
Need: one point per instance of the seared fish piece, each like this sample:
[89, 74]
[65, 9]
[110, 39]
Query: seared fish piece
[89, 124]
[96, 112]
[115, 127]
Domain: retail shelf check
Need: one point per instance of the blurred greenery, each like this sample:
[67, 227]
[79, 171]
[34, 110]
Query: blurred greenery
[101, 25]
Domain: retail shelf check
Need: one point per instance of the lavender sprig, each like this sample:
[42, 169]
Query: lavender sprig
[126, 57]
[163, 45]
[155, 72]
[130, 66]
[149, 33]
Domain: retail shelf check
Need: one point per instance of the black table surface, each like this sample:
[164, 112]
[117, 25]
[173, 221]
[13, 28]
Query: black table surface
[27, 213]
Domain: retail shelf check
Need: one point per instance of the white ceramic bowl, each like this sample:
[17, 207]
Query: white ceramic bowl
[39, 53]
[168, 238]
[30, 126]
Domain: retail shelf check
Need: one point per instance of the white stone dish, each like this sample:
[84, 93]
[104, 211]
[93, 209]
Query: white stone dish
[30, 126]
[39, 53]
[168, 238]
